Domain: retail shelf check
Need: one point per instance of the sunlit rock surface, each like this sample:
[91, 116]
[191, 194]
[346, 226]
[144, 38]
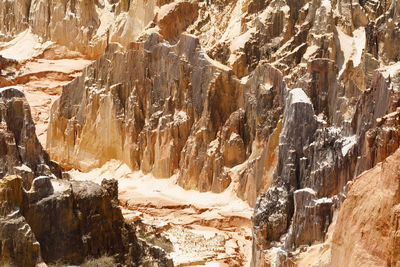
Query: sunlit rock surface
[282, 102]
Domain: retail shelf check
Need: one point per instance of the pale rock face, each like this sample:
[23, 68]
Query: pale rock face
[213, 106]
[86, 26]
[14, 18]
[179, 14]
[181, 112]
[44, 219]
[195, 119]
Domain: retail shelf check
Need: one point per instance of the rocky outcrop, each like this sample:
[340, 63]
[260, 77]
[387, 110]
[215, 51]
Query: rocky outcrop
[67, 221]
[16, 234]
[179, 111]
[74, 220]
[274, 209]
[334, 156]
[21, 152]
[375, 192]
[182, 113]
[47, 219]
[212, 106]
[356, 110]
[357, 236]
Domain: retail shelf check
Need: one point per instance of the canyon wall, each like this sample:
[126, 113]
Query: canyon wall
[287, 101]
[21, 153]
[164, 106]
[46, 219]
[166, 109]
[85, 26]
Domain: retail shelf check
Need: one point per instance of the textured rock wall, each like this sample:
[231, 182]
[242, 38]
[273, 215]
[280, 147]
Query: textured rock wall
[357, 237]
[356, 130]
[75, 220]
[44, 219]
[16, 235]
[86, 26]
[181, 112]
[20, 151]
[178, 111]
[162, 105]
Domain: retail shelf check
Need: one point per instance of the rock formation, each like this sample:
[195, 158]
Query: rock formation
[21, 152]
[45, 219]
[366, 229]
[188, 114]
[174, 115]
[287, 101]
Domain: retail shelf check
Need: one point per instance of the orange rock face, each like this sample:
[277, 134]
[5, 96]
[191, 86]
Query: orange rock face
[366, 231]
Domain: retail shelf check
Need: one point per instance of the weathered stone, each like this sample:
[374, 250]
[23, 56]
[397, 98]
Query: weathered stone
[274, 209]
[20, 151]
[165, 107]
[56, 220]
[311, 218]
[176, 121]
[179, 14]
[16, 236]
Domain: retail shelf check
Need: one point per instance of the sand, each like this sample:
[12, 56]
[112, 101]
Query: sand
[205, 228]
[44, 69]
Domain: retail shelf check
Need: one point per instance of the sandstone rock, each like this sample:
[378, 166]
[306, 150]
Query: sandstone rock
[311, 218]
[56, 220]
[175, 17]
[16, 235]
[21, 152]
[167, 108]
[85, 26]
[14, 18]
[359, 237]
[175, 120]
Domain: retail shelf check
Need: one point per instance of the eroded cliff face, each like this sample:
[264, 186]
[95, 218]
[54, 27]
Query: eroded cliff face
[169, 109]
[356, 236]
[287, 101]
[181, 112]
[21, 153]
[85, 26]
[46, 219]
